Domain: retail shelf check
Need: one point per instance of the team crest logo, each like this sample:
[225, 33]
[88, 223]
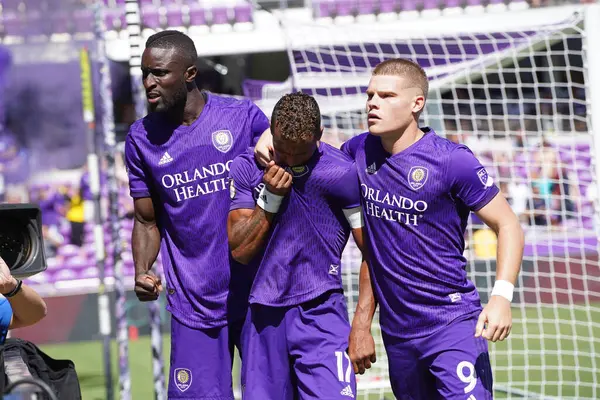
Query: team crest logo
[484, 177]
[298, 171]
[183, 378]
[222, 140]
[417, 176]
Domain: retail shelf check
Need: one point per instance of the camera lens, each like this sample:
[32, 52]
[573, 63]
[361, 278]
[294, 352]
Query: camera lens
[15, 243]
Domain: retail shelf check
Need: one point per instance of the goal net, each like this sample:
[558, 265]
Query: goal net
[517, 88]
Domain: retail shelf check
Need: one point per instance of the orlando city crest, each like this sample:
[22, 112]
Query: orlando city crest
[222, 140]
[417, 176]
[298, 171]
[183, 378]
[485, 178]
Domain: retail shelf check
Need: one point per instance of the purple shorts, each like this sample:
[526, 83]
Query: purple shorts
[299, 352]
[201, 362]
[450, 364]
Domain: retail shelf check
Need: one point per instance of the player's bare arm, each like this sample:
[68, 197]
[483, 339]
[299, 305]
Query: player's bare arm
[263, 151]
[246, 228]
[495, 321]
[361, 345]
[145, 243]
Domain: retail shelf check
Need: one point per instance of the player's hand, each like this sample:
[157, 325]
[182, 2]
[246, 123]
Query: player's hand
[147, 286]
[277, 180]
[263, 151]
[495, 321]
[361, 349]
[7, 282]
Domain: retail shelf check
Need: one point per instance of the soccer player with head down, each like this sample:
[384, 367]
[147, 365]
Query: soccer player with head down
[418, 190]
[291, 221]
[178, 158]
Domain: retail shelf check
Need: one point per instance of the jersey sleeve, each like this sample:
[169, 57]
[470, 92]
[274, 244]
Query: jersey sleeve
[138, 182]
[350, 146]
[258, 120]
[6, 314]
[469, 180]
[240, 183]
[346, 190]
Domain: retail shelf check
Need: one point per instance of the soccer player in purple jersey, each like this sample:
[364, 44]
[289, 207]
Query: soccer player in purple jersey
[290, 221]
[418, 190]
[178, 158]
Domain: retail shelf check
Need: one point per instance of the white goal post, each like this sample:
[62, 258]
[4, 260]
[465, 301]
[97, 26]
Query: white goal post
[522, 89]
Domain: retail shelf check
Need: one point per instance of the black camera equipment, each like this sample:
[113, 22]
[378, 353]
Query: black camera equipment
[21, 242]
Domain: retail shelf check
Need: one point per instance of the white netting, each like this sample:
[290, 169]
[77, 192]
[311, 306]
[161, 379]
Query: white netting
[514, 89]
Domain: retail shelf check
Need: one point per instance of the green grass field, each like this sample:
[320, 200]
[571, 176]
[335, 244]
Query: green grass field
[568, 354]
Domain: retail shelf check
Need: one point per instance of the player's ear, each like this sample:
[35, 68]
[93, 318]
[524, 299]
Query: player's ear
[191, 73]
[318, 136]
[418, 104]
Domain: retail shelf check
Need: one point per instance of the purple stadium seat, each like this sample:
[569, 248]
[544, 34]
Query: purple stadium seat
[243, 13]
[14, 24]
[197, 15]
[408, 5]
[36, 23]
[11, 5]
[150, 17]
[492, 2]
[174, 13]
[474, 2]
[68, 250]
[344, 8]
[430, 4]
[89, 272]
[60, 22]
[366, 7]
[323, 9]
[220, 15]
[83, 20]
[388, 6]
[453, 3]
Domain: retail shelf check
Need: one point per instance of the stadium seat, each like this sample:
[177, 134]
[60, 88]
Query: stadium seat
[13, 23]
[197, 14]
[243, 13]
[176, 15]
[389, 6]
[60, 22]
[366, 7]
[83, 21]
[345, 8]
[220, 15]
[150, 17]
[323, 8]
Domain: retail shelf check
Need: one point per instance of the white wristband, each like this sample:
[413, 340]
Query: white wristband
[504, 289]
[268, 201]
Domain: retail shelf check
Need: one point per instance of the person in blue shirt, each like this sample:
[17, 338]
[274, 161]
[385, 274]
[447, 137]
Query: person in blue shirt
[20, 305]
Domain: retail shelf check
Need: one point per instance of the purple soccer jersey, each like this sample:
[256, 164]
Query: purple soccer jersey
[416, 206]
[302, 254]
[184, 170]
[453, 365]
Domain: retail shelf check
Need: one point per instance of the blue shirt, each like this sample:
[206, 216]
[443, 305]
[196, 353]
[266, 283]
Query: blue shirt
[5, 317]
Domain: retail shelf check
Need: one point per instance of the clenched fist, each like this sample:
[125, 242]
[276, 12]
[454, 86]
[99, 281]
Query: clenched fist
[277, 180]
[147, 286]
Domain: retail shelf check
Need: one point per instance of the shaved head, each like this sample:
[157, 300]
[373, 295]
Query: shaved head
[412, 73]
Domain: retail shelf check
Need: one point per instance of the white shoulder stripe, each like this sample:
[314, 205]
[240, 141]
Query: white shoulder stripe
[354, 217]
